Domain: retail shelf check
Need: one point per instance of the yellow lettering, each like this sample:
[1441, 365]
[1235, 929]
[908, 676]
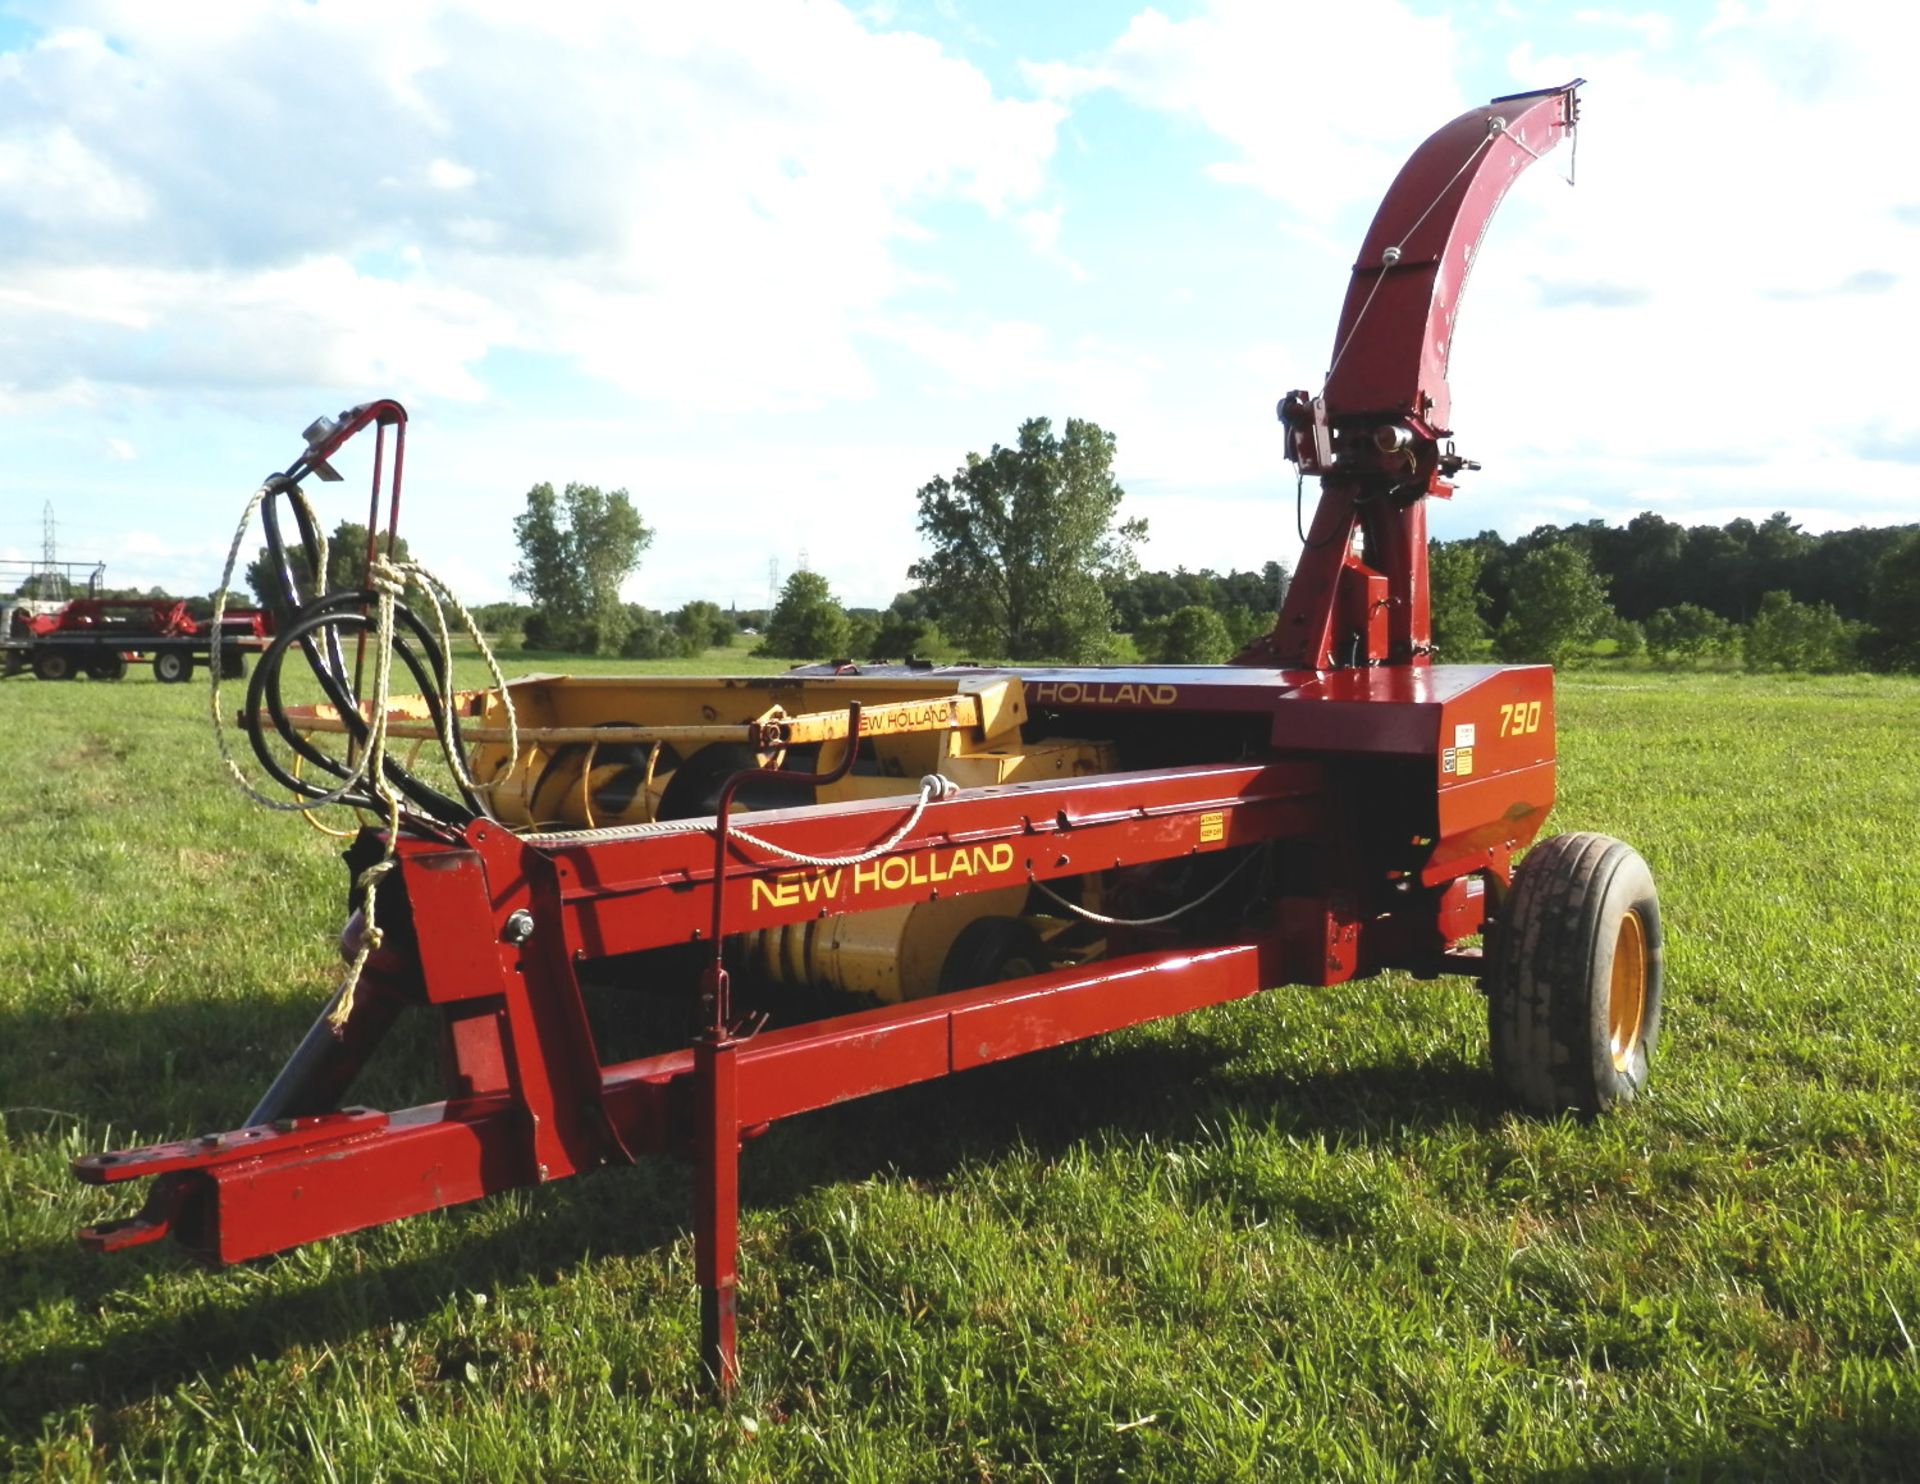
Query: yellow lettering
[894, 873]
[1002, 857]
[961, 864]
[782, 891]
[821, 884]
[1125, 693]
[866, 874]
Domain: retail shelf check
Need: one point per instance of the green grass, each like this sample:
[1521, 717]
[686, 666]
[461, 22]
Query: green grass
[1293, 1238]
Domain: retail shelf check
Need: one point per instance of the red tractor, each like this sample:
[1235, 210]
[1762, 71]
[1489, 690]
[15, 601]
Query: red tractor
[963, 864]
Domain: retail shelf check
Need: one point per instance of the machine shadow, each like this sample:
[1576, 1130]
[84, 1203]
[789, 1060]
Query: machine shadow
[1865, 1448]
[1167, 1089]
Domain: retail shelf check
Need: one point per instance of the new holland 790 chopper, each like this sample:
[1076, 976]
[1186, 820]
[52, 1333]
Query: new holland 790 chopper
[971, 863]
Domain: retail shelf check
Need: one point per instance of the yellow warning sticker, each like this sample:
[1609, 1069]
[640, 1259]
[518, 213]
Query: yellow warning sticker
[1212, 827]
[1463, 760]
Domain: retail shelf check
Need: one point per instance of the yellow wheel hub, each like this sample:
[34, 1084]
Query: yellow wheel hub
[1627, 994]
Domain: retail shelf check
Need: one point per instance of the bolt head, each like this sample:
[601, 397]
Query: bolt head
[518, 927]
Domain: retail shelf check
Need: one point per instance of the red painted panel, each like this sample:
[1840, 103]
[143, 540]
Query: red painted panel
[423, 1161]
[1490, 817]
[459, 942]
[787, 1073]
[621, 896]
[1053, 1009]
[793, 1071]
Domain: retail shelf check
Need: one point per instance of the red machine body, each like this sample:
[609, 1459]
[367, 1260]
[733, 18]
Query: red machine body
[1383, 799]
[134, 619]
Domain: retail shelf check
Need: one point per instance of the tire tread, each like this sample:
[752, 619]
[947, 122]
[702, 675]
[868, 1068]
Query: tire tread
[1544, 937]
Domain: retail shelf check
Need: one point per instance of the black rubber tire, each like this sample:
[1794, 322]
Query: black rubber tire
[108, 667]
[172, 666]
[53, 664]
[233, 662]
[1550, 977]
[990, 950]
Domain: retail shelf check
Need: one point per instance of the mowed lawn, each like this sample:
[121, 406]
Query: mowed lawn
[1297, 1237]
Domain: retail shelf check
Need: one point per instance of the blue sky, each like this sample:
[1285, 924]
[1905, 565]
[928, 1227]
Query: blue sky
[771, 266]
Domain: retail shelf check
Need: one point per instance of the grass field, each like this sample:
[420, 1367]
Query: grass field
[1293, 1238]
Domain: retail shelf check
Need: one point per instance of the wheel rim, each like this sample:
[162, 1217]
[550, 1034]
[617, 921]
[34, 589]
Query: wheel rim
[1627, 994]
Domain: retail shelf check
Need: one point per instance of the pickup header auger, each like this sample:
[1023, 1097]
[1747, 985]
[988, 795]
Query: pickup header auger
[964, 863]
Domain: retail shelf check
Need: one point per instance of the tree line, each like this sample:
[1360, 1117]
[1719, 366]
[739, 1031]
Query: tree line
[1027, 557]
[1769, 595]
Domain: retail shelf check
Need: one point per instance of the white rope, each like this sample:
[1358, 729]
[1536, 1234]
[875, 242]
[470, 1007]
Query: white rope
[389, 580]
[932, 787]
[1105, 921]
[600, 834]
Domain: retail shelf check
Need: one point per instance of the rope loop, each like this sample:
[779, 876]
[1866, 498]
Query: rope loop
[933, 786]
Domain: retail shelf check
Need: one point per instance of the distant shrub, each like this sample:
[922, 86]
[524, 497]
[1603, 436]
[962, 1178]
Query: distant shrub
[1786, 635]
[1685, 634]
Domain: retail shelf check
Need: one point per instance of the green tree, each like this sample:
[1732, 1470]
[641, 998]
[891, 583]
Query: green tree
[1684, 634]
[1629, 639]
[702, 625]
[903, 633]
[1454, 599]
[346, 564]
[576, 549]
[651, 636]
[1194, 636]
[1022, 541]
[1245, 624]
[807, 623]
[1893, 606]
[863, 633]
[1558, 606]
[504, 623]
[1786, 635]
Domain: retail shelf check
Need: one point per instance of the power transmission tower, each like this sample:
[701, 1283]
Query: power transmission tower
[52, 584]
[773, 582]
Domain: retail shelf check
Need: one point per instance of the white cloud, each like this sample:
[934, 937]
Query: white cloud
[1652, 27]
[1041, 228]
[447, 175]
[1277, 83]
[1716, 298]
[55, 182]
[121, 451]
[1717, 311]
[700, 204]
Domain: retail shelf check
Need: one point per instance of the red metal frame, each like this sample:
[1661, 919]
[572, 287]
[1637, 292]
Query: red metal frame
[1389, 802]
[1375, 436]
